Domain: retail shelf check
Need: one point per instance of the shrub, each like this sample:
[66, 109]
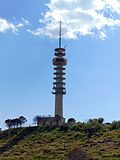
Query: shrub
[115, 125]
[77, 127]
[100, 120]
[92, 127]
[64, 128]
[71, 121]
[77, 154]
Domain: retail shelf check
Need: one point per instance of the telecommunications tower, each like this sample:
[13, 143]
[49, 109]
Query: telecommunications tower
[59, 85]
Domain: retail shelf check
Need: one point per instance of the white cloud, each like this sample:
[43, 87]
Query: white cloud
[114, 5]
[79, 17]
[8, 26]
[25, 21]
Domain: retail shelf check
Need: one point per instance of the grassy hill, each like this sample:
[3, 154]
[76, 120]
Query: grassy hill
[35, 143]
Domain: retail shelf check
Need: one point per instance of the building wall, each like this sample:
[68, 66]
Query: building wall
[51, 121]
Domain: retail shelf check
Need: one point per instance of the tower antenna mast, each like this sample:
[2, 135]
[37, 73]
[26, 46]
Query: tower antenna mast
[59, 61]
[60, 38]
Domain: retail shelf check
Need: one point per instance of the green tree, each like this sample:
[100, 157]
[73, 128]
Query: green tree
[22, 120]
[115, 125]
[92, 127]
[71, 121]
[36, 119]
[100, 120]
[8, 123]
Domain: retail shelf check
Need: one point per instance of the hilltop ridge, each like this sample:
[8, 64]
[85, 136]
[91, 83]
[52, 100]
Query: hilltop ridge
[97, 142]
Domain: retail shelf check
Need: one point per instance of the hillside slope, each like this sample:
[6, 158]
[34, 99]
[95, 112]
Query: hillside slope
[55, 144]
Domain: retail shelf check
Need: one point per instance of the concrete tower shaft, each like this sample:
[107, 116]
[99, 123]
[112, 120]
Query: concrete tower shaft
[59, 85]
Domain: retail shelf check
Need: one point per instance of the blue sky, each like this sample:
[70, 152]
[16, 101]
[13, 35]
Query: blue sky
[27, 42]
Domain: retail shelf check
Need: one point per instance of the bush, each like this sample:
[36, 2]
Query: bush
[77, 154]
[100, 120]
[71, 121]
[64, 128]
[77, 127]
[115, 125]
[92, 127]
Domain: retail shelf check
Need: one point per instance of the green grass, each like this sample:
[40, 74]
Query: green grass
[56, 145]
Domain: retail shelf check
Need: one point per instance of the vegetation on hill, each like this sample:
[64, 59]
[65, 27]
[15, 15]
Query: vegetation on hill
[12, 123]
[92, 140]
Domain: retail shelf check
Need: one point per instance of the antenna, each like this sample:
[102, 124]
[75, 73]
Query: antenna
[65, 46]
[60, 36]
